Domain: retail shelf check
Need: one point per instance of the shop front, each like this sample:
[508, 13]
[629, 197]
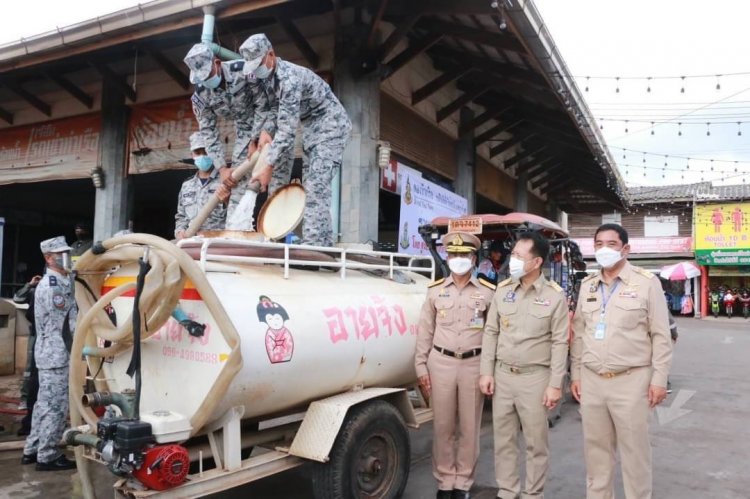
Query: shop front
[722, 248]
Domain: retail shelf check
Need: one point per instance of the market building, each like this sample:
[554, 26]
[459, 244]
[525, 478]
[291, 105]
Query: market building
[470, 96]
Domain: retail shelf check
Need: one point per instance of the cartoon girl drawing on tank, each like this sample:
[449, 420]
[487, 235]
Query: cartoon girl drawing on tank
[279, 341]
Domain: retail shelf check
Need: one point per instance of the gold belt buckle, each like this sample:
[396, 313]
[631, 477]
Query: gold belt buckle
[514, 369]
[609, 375]
[458, 355]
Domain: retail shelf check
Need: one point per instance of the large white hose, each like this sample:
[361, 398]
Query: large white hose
[170, 268]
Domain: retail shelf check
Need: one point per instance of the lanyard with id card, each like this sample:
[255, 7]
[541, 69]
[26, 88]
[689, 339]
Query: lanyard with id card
[601, 327]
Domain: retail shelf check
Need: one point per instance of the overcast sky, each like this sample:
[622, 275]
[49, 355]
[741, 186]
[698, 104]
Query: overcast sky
[641, 38]
[610, 38]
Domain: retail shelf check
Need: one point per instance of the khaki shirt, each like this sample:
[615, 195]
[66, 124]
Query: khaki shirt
[636, 332]
[527, 328]
[447, 313]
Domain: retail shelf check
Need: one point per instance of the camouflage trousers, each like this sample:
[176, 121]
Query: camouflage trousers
[317, 176]
[50, 412]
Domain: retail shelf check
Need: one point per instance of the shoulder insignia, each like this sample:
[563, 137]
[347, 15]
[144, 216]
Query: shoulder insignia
[487, 284]
[52, 280]
[435, 283]
[505, 282]
[554, 285]
[645, 273]
[237, 65]
[198, 103]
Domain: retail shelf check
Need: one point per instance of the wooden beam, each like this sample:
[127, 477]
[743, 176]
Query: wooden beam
[537, 162]
[72, 89]
[492, 66]
[118, 80]
[502, 127]
[433, 86]
[170, 68]
[551, 177]
[299, 41]
[523, 155]
[487, 115]
[398, 34]
[542, 167]
[445, 7]
[32, 99]
[471, 34]
[374, 23]
[412, 51]
[499, 149]
[6, 116]
[556, 187]
[457, 104]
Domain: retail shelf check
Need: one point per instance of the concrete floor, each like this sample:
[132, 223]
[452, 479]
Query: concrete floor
[701, 452]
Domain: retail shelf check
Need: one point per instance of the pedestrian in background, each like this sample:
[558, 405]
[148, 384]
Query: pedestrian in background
[30, 385]
[621, 355]
[524, 361]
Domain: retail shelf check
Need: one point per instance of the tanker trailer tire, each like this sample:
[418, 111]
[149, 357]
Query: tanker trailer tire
[370, 458]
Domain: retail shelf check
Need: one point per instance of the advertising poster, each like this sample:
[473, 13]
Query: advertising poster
[722, 234]
[421, 202]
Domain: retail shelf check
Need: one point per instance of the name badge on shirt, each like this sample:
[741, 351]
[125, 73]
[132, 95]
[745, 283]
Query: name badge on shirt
[599, 332]
[477, 321]
[544, 303]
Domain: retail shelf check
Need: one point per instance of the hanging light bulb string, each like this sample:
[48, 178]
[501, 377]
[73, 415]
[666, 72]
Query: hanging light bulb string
[626, 150]
[683, 114]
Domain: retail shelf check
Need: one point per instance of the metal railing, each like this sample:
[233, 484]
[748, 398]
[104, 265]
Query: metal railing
[343, 258]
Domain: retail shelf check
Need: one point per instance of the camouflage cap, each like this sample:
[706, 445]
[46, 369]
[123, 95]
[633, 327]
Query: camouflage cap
[54, 245]
[460, 242]
[197, 141]
[253, 50]
[199, 60]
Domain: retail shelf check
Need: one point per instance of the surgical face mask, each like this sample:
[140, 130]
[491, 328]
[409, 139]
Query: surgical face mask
[516, 267]
[460, 265]
[262, 72]
[213, 81]
[607, 257]
[204, 163]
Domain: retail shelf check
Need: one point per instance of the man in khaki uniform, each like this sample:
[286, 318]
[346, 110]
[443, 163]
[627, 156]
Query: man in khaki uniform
[524, 356]
[621, 356]
[447, 361]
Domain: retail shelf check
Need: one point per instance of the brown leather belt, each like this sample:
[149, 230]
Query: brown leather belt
[611, 374]
[458, 355]
[520, 369]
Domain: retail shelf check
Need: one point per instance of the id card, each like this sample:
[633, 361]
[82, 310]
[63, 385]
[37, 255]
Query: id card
[476, 322]
[599, 333]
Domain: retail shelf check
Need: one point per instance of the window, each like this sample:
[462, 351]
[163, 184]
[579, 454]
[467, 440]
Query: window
[666, 226]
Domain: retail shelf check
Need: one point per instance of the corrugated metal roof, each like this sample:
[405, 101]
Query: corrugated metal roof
[701, 192]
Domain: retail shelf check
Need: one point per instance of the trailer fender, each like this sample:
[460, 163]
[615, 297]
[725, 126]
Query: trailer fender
[324, 418]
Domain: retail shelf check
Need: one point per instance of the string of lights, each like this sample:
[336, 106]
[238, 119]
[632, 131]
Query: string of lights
[626, 150]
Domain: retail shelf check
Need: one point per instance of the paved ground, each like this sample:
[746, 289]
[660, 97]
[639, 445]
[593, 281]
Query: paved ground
[701, 448]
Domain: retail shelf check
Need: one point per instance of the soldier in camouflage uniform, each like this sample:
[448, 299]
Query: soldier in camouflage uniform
[55, 316]
[196, 191]
[301, 97]
[221, 90]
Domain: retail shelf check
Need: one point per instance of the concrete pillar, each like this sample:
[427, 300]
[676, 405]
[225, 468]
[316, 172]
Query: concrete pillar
[112, 202]
[522, 193]
[466, 171]
[360, 175]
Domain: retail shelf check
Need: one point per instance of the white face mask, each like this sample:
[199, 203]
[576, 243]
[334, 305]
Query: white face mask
[262, 72]
[460, 265]
[607, 257]
[515, 267]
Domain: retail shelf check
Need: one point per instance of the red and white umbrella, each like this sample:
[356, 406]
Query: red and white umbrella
[680, 271]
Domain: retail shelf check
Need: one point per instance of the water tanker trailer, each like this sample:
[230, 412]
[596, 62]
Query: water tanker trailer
[305, 355]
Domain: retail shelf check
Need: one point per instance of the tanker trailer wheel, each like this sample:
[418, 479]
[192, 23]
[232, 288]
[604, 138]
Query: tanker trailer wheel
[370, 458]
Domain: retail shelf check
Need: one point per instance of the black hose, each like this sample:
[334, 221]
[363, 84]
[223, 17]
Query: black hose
[135, 361]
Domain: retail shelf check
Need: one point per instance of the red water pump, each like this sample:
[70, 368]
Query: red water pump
[164, 467]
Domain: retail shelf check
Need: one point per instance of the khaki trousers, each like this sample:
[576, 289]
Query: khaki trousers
[616, 415]
[517, 405]
[457, 406]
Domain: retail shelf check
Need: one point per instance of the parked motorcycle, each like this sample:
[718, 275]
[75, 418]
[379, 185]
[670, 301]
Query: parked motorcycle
[729, 299]
[715, 300]
[745, 302]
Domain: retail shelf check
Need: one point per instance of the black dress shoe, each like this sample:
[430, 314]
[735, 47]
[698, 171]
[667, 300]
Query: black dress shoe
[444, 494]
[61, 463]
[460, 494]
[28, 459]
